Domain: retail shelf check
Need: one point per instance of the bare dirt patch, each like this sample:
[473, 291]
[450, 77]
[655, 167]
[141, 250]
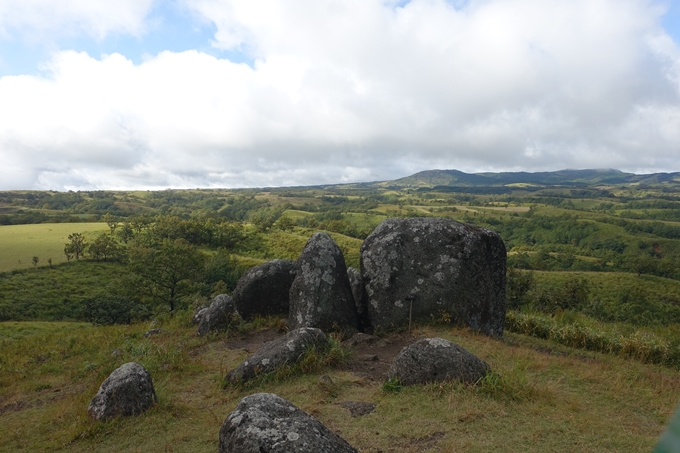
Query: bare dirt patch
[252, 341]
[372, 361]
[368, 361]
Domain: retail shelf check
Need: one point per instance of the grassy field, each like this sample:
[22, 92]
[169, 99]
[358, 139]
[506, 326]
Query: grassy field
[545, 398]
[55, 294]
[20, 243]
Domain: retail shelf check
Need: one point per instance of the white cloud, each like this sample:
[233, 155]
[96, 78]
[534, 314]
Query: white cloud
[37, 20]
[357, 90]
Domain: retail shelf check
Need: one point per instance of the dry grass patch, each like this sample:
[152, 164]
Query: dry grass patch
[541, 396]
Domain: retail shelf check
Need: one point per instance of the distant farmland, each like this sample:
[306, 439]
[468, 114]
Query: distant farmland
[20, 243]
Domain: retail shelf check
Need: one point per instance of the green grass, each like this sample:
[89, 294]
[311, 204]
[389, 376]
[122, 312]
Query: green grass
[55, 294]
[20, 243]
[579, 331]
[540, 397]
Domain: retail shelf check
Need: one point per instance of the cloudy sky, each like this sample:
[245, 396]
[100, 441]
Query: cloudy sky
[253, 93]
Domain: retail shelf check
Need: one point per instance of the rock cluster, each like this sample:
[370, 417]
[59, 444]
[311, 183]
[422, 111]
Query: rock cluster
[415, 269]
[267, 423]
[127, 391]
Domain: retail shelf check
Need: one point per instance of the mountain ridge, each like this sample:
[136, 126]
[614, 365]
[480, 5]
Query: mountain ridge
[567, 177]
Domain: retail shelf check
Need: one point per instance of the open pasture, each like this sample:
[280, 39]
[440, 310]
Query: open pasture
[20, 243]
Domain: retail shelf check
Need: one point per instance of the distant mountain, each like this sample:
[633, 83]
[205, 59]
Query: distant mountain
[434, 178]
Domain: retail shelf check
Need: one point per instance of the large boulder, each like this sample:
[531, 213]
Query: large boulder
[127, 391]
[435, 268]
[436, 360]
[217, 315]
[264, 289]
[287, 349]
[320, 295]
[267, 423]
[359, 294]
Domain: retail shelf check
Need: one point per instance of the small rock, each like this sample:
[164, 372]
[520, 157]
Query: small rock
[287, 349]
[435, 360]
[198, 315]
[267, 423]
[360, 297]
[152, 332]
[116, 353]
[217, 316]
[325, 380]
[367, 358]
[358, 408]
[127, 391]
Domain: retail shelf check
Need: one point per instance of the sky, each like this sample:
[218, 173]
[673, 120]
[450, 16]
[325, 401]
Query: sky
[155, 94]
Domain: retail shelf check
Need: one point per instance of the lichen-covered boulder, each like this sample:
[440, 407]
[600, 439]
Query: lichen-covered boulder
[435, 268]
[359, 294]
[320, 295]
[436, 360]
[127, 391]
[287, 349]
[264, 290]
[217, 315]
[267, 423]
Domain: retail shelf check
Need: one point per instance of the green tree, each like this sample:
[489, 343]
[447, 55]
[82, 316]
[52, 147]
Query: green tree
[285, 223]
[35, 261]
[111, 222]
[126, 232]
[169, 273]
[519, 284]
[76, 246]
[105, 247]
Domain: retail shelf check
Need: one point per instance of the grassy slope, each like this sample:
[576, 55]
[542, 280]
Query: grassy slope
[549, 398]
[49, 294]
[20, 243]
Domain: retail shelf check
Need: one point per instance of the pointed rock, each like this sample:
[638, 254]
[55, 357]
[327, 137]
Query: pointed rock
[320, 295]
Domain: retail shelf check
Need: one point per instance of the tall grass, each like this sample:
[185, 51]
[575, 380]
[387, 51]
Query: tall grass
[582, 333]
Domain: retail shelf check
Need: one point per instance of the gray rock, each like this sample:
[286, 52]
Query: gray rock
[438, 266]
[287, 349]
[198, 315]
[325, 381]
[358, 408]
[217, 315]
[152, 332]
[360, 298]
[436, 360]
[267, 423]
[264, 289]
[127, 391]
[321, 295]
